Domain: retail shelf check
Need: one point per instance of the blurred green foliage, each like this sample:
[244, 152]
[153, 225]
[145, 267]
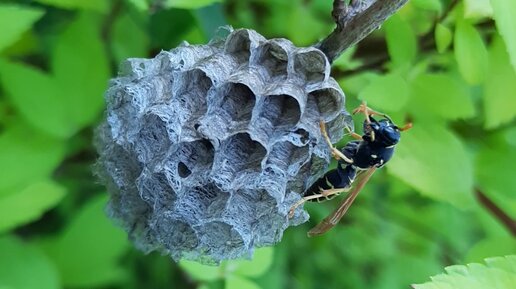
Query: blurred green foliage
[449, 66]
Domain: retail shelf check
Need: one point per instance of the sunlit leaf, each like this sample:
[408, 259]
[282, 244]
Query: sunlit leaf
[26, 156]
[401, 40]
[81, 69]
[261, 263]
[92, 244]
[504, 11]
[346, 61]
[470, 53]
[141, 5]
[443, 37]
[441, 95]
[96, 5]
[201, 272]
[498, 273]
[388, 92]
[236, 282]
[494, 246]
[15, 20]
[24, 267]
[434, 161]
[190, 4]
[499, 102]
[477, 9]
[434, 5]
[28, 204]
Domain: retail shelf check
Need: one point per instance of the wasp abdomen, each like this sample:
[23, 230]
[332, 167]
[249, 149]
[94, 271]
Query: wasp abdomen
[341, 177]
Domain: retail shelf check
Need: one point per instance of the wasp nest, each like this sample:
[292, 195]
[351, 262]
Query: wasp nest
[206, 147]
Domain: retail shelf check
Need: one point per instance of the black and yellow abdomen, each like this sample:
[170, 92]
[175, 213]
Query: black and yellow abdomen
[342, 177]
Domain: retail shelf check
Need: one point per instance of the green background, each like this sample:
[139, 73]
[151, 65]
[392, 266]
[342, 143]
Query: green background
[448, 66]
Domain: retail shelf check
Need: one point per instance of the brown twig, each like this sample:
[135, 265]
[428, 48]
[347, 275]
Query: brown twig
[354, 22]
[496, 211]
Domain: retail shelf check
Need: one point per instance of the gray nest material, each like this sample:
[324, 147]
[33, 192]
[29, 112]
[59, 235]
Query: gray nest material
[206, 147]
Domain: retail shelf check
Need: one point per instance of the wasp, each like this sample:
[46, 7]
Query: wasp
[357, 161]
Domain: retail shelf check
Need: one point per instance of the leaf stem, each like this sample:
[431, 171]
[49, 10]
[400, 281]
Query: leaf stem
[496, 211]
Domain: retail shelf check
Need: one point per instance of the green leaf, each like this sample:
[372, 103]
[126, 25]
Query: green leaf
[495, 246]
[388, 92]
[470, 53]
[401, 40]
[302, 28]
[189, 4]
[96, 5]
[491, 171]
[261, 263]
[434, 161]
[129, 40]
[210, 18]
[441, 95]
[26, 156]
[474, 9]
[498, 273]
[201, 272]
[141, 5]
[91, 244]
[15, 20]
[236, 282]
[28, 204]
[40, 103]
[499, 103]
[81, 69]
[443, 37]
[433, 5]
[504, 11]
[24, 267]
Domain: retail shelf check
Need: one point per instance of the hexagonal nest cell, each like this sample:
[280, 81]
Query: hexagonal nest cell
[206, 147]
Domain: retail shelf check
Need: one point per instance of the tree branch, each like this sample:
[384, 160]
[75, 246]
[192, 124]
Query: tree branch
[496, 211]
[354, 22]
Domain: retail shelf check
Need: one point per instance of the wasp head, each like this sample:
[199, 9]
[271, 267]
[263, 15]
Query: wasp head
[383, 132]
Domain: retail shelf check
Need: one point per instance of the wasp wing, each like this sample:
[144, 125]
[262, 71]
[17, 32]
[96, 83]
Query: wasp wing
[330, 221]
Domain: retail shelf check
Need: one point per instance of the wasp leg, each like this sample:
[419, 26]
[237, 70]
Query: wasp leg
[323, 193]
[334, 151]
[353, 134]
[406, 127]
[367, 111]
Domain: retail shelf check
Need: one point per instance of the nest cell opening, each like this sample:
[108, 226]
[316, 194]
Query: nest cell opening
[192, 91]
[274, 58]
[239, 44]
[287, 157]
[196, 156]
[153, 137]
[329, 102]
[243, 153]
[312, 65]
[201, 202]
[238, 102]
[182, 170]
[281, 110]
[175, 234]
[223, 240]
[155, 190]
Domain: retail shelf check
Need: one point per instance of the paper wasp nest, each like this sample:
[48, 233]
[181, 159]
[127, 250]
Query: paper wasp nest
[206, 147]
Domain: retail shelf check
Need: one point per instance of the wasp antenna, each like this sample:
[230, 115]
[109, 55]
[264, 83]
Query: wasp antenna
[406, 127]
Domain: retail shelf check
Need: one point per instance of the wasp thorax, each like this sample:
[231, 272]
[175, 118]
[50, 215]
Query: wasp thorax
[206, 147]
